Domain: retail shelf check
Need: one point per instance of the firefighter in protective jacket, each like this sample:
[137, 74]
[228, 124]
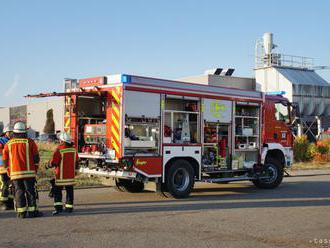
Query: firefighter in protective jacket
[21, 155]
[6, 197]
[65, 161]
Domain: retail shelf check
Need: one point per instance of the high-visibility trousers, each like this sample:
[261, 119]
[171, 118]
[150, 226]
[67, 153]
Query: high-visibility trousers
[5, 194]
[25, 195]
[58, 204]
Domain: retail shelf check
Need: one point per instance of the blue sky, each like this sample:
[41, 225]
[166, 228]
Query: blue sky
[43, 42]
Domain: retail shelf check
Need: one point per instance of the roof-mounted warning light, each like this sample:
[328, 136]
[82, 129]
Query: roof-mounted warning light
[119, 78]
[276, 93]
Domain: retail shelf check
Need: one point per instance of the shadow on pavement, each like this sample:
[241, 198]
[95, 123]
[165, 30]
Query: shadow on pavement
[289, 194]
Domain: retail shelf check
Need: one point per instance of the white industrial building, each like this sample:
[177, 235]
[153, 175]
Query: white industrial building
[34, 114]
[296, 77]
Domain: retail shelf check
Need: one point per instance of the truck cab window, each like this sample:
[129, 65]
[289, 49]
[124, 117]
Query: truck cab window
[281, 112]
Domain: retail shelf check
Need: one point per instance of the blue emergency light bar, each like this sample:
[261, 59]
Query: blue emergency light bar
[125, 78]
[276, 93]
[119, 78]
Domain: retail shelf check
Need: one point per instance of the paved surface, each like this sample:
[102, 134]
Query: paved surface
[308, 172]
[225, 215]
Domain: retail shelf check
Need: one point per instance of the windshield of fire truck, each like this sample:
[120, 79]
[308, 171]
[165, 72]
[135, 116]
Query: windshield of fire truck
[282, 112]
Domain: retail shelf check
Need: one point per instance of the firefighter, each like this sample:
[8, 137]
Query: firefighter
[65, 161]
[6, 197]
[21, 156]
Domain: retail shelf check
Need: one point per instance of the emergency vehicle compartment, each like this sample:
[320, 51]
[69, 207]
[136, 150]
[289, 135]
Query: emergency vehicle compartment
[91, 120]
[142, 124]
[247, 135]
[217, 140]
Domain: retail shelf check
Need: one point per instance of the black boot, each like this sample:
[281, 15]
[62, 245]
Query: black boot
[57, 211]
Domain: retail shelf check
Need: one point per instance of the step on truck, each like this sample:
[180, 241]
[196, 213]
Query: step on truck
[141, 130]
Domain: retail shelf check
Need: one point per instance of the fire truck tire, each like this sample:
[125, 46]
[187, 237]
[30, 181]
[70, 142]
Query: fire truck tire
[179, 179]
[274, 169]
[129, 186]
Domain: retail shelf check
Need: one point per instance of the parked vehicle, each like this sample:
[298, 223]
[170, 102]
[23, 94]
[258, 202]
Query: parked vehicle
[138, 129]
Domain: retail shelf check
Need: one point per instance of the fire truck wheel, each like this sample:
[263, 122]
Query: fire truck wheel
[129, 186]
[274, 171]
[180, 179]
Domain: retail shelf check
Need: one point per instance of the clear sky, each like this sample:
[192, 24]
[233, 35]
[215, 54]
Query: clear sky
[42, 42]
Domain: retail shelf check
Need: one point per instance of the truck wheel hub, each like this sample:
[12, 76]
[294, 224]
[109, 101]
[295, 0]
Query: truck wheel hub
[181, 179]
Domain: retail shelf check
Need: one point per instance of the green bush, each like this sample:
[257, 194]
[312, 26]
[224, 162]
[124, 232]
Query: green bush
[302, 149]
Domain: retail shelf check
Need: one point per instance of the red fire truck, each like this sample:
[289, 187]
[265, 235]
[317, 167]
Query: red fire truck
[145, 130]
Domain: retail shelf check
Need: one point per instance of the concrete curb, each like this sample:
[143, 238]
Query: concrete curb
[307, 173]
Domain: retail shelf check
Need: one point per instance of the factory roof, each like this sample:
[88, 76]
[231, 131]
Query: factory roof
[302, 76]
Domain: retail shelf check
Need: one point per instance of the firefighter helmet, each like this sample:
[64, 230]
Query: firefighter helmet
[19, 127]
[65, 137]
[8, 128]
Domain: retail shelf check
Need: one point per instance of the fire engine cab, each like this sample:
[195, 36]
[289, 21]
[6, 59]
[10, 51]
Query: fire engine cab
[139, 129]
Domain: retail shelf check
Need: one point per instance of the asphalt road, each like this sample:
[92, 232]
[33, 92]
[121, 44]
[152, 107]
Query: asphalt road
[297, 214]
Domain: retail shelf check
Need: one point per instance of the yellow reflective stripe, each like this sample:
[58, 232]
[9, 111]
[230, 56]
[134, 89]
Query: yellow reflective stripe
[22, 172]
[27, 156]
[115, 146]
[61, 168]
[20, 210]
[115, 121]
[10, 157]
[22, 176]
[58, 203]
[2, 198]
[115, 133]
[65, 181]
[74, 159]
[31, 209]
[116, 109]
[64, 151]
[118, 89]
[16, 141]
[116, 97]
[19, 141]
[68, 206]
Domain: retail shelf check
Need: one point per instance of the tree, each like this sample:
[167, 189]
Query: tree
[50, 124]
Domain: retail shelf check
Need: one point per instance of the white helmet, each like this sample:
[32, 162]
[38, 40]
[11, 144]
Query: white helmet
[19, 127]
[7, 128]
[65, 137]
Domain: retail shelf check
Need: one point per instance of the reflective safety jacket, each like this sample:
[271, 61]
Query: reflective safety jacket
[3, 141]
[21, 155]
[64, 160]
